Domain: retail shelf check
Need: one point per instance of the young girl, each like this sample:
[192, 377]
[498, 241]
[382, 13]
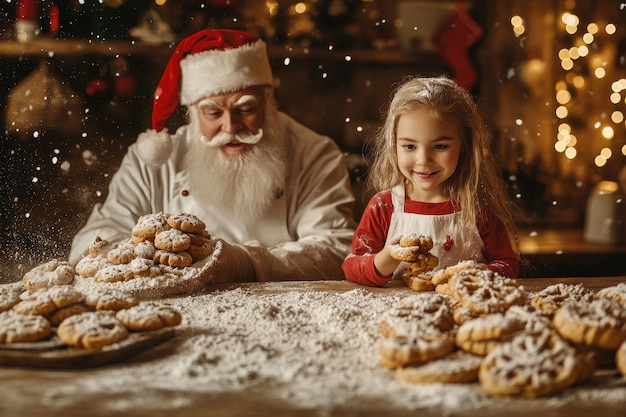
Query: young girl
[434, 175]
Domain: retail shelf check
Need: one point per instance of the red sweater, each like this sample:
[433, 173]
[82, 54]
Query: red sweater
[371, 235]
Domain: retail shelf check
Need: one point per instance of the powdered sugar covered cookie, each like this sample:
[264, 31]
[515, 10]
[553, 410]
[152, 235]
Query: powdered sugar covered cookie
[49, 274]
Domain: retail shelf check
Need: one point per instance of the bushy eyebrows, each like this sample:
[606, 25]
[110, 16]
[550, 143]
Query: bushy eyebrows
[246, 99]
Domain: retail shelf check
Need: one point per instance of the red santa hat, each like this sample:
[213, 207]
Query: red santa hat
[209, 62]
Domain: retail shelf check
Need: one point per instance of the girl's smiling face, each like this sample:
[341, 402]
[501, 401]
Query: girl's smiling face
[428, 154]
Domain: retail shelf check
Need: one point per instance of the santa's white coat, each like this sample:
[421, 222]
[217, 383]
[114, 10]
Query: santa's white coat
[305, 235]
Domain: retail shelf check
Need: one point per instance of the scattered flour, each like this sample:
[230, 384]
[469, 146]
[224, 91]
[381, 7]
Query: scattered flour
[314, 349]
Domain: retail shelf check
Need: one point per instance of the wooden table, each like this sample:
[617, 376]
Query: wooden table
[26, 392]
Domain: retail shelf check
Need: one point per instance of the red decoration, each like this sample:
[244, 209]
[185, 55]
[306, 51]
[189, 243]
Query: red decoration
[453, 39]
[99, 89]
[125, 85]
[448, 243]
[27, 10]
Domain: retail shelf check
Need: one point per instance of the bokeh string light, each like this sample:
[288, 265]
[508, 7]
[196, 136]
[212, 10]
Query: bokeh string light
[575, 82]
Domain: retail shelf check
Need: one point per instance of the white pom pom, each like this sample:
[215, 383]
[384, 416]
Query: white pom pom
[153, 147]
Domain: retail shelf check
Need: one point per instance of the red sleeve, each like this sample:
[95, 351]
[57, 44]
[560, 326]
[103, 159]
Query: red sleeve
[499, 254]
[368, 240]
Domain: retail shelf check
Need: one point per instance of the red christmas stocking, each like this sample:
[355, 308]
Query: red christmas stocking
[453, 38]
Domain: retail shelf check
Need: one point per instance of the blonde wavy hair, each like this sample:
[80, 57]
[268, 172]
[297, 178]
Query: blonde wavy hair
[477, 182]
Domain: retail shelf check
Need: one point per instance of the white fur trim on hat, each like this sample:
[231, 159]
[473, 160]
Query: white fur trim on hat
[153, 147]
[215, 72]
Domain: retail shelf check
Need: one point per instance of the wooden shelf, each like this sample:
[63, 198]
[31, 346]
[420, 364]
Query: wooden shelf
[80, 47]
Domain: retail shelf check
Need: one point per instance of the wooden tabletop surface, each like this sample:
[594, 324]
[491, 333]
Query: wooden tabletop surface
[26, 391]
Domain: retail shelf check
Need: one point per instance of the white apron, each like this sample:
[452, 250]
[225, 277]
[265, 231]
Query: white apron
[451, 244]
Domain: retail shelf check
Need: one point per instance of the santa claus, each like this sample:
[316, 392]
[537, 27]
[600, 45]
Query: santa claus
[275, 193]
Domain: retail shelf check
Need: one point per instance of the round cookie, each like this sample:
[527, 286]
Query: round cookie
[416, 312]
[99, 247]
[9, 296]
[114, 273]
[548, 300]
[443, 275]
[172, 240]
[48, 274]
[149, 225]
[142, 267]
[420, 347]
[57, 316]
[122, 253]
[16, 327]
[481, 335]
[456, 367]
[88, 266]
[425, 243]
[530, 365]
[186, 222]
[418, 283]
[109, 299]
[144, 249]
[91, 330]
[600, 323]
[616, 292]
[174, 259]
[149, 316]
[47, 300]
[200, 250]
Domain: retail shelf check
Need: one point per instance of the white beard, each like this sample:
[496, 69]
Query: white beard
[240, 188]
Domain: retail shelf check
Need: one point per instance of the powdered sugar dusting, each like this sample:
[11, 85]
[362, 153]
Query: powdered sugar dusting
[310, 348]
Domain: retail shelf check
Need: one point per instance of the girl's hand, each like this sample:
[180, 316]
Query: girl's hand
[384, 263]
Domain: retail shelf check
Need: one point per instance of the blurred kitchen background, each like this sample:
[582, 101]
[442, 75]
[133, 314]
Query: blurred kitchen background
[77, 79]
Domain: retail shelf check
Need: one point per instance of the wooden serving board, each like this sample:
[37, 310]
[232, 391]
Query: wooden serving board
[52, 354]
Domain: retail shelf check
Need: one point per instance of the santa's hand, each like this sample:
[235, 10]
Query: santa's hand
[233, 264]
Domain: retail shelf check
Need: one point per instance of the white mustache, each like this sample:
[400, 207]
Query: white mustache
[223, 138]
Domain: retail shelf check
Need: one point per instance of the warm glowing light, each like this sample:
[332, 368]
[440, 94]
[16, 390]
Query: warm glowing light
[517, 21]
[610, 29]
[560, 146]
[567, 64]
[599, 72]
[588, 38]
[608, 132]
[570, 19]
[571, 141]
[617, 116]
[600, 161]
[519, 30]
[565, 128]
[571, 29]
[564, 54]
[583, 50]
[561, 112]
[563, 96]
[606, 153]
[615, 98]
[300, 8]
[592, 28]
[579, 81]
[570, 153]
[624, 150]
[573, 53]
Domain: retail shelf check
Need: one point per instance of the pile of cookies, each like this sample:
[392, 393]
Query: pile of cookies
[89, 321]
[414, 249]
[160, 244]
[480, 326]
